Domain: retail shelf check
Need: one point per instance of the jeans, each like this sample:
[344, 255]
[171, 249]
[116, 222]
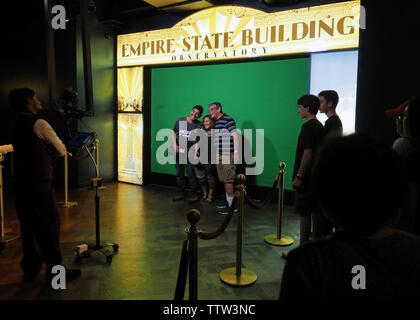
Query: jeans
[180, 180]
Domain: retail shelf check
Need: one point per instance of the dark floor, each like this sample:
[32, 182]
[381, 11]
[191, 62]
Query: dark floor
[149, 229]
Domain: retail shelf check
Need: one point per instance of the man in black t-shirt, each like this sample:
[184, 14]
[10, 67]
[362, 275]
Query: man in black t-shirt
[333, 127]
[181, 145]
[328, 100]
[310, 137]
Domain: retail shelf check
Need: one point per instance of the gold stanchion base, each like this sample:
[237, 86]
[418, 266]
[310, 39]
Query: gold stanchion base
[69, 204]
[283, 241]
[246, 278]
[9, 236]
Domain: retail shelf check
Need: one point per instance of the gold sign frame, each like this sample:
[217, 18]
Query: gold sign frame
[234, 32]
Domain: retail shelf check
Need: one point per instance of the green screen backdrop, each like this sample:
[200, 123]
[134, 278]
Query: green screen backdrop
[258, 95]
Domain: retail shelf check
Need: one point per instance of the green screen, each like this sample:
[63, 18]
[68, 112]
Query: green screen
[258, 95]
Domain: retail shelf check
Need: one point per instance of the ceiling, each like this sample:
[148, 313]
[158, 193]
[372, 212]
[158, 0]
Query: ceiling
[119, 13]
[124, 14]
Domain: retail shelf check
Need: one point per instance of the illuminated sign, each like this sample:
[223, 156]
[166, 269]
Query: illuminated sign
[130, 147]
[232, 32]
[130, 89]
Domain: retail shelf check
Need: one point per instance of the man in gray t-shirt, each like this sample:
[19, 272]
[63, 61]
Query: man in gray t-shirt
[181, 131]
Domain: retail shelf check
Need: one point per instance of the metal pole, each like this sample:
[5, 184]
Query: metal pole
[279, 239]
[193, 217]
[1, 198]
[66, 189]
[5, 236]
[241, 189]
[87, 63]
[52, 81]
[66, 203]
[97, 155]
[98, 234]
[280, 202]
[238, 276]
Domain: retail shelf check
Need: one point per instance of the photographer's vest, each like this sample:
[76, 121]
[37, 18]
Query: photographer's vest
[31, 158]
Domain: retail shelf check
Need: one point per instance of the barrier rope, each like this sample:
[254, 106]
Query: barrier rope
[188, 263]
[267, 199]
[222, 228]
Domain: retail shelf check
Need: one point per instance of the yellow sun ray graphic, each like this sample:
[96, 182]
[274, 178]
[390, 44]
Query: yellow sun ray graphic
[130, 89]
[216, 23]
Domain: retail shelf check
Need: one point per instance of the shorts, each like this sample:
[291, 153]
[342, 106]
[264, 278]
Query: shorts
[226, 172]
[206, 174]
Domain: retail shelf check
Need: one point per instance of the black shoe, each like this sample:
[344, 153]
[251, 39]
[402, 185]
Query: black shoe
[178, 197]
[30, 277]
[72, 274]
[193, 198]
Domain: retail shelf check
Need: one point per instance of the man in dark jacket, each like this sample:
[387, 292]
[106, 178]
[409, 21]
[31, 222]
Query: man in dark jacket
[34, 142]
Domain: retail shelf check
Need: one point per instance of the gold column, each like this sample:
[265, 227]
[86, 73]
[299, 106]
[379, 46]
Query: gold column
[5, 236]
[66, 203]
[279, 239]
[238, 276]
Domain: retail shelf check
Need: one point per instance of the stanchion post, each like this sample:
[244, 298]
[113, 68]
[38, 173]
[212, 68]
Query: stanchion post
[1, 197]
[66, 203]
[282, 165]
[96, 148]
[279, 239]
[97, 154]
[241, 189]
[5, 236]
[238, 276]
[193, 217]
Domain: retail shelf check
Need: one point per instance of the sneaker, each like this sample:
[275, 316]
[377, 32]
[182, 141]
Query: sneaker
[72, 274]
[226, 210]
[30, 277]
[193, 198]
[178, 197]
[222, 205]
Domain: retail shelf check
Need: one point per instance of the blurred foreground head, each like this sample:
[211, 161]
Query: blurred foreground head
[360, 181]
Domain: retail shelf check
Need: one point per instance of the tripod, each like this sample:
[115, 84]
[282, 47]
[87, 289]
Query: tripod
[106, 250]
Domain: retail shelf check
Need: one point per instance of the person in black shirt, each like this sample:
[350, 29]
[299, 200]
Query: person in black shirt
[310, 137]
[328, 99]
[328, 103]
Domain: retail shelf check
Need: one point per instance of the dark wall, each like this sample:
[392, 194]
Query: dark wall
[24, 64]
[24, 61]
[389, 64]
